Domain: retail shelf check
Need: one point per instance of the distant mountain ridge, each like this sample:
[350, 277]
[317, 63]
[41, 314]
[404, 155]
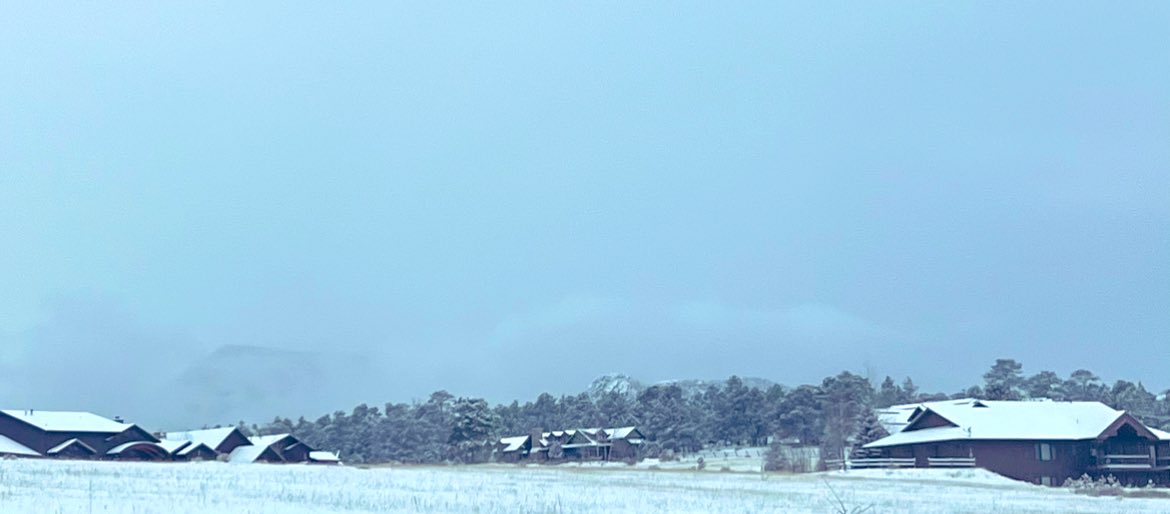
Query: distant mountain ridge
[631, 387]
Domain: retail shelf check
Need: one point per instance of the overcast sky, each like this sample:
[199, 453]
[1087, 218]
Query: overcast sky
[501, 199]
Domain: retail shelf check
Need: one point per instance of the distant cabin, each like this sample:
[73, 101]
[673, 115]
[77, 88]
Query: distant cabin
[75, 435]
[323, 457]
[274, 449]
[582, 444]
[207, 444]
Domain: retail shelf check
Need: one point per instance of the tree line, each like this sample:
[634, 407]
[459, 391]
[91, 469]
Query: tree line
[837, 412]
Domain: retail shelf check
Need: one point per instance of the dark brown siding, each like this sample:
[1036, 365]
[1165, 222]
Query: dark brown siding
[41, 441]
[930, 420]
[621, 449]
[297, 452]
[201, 453]
[232, 441]
[1018, 459]
[1013, 459]
[26, 434]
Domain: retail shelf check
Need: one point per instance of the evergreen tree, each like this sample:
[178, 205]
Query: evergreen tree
[1045, 384]
[909, 392]
[888, 394]
[776, 458]
[871, 430]
[1083, 385]
[1004, 381]
[473, 424]
[845, 399]
[802, 417]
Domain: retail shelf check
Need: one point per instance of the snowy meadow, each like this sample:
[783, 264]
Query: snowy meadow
[37, 486]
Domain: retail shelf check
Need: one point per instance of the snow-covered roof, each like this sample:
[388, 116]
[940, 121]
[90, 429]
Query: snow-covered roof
[10, 447]
[321, 456]
[246, 454]
[212, 437]
[895, 417]
[61, 447]
[66, 421]
[620, 433]
[267, 440]
[193, 448]
[125, 446]
[513, 444]
[1162, 435]
[1008, 420]
[172, 446]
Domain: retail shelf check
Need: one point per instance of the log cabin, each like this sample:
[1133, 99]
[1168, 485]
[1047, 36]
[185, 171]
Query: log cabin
[218, 440]
[601, 444]
[76, 435]
[277, 448]
[1045, 442]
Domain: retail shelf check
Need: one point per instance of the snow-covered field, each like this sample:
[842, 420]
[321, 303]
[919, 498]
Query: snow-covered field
[739, 460]
[36, 486]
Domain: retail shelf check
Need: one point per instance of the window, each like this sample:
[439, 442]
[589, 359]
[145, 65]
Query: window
[1046, 481]
[1044, 451]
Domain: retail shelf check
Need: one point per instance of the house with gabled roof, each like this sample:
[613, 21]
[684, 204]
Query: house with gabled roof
[572, 444]
[624, 442]
[219, 440]
[10, 448]
[513, 449]
[1045, 442]
[276, 448]
[79, 435]
[189, 450]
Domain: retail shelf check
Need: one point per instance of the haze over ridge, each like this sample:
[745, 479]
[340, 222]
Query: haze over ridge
[379, 208]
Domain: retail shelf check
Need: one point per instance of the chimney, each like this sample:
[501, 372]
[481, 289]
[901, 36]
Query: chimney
[535, 437]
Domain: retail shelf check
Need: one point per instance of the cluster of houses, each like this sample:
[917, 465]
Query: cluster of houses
[84, 435]
[1040, 441]
[599, 444]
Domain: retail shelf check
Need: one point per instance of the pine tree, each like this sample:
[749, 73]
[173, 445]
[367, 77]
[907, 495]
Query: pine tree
[871, 430]
[1004, 381]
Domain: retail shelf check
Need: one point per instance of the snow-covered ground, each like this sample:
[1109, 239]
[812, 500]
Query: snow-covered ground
[739, 460]
[36, 486]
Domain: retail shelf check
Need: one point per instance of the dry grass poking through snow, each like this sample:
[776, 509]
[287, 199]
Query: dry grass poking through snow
[32, 486]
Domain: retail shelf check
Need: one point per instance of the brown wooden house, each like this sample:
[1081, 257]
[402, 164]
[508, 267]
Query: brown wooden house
[624, 442]
[571, 445]
[207, 444]
[78, 435]
[513, 449]
[278, 448]
[1044, 442]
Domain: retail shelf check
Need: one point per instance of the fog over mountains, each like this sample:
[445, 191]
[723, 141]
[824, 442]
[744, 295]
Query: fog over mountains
[209, 214]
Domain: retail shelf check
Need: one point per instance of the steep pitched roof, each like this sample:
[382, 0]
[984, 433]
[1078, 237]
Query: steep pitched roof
[172, 446]
[1007, 420]
[513, 444]
[622, 432]
[66, 421]
[212, 437]
[247, 454]
[72, 442]
[1162, 436]
[895, 417]
[188, 450]
[269, 440]
[10, 447]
